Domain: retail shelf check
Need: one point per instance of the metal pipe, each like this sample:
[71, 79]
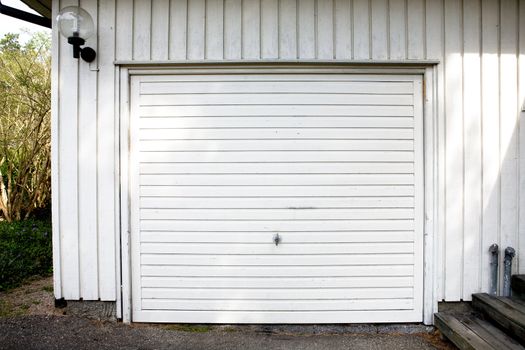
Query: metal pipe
[507, 270]
[494, 257]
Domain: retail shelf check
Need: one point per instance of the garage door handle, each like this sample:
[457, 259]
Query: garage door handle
[276, 239]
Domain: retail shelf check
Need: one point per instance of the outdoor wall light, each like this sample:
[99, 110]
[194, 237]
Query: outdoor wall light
[77, 25]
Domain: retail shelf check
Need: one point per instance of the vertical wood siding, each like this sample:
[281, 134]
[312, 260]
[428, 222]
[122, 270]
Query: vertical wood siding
[480, 92]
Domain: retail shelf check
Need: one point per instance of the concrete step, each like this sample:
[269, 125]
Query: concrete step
[518, 286]
[507, 313]
[471, 332]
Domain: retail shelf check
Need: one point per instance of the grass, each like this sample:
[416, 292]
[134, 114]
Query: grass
[4, 308]
[189, 328]
[25, 251]
[8, 310]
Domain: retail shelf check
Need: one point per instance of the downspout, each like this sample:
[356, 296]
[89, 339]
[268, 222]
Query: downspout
[507, 271]
[494, 256]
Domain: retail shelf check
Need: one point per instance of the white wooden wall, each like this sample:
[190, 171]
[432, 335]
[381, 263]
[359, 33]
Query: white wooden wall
[481, 89]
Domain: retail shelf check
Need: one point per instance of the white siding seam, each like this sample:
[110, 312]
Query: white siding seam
[388, 29]
[515, 265]
[520, 155]
[370, 34]
[204, 31]
[297, 32]
[132, 33]
[406, 31]
[316, 29]
[279, 28]
[77, 197]
[168, 29]
[502, 249]
[260, 30]
[242, 30]
[186, 34]
[352, 36]
[150, 28]
[352, 28]
[444, 166]
[116, 176]
[79, 259]
[118, 195]
[462, 41]
[482, 111]
[441, 152]
[334, 29]
[425, 46]
[517, 128]
[55, 145]
[97, 87]
[480, 243]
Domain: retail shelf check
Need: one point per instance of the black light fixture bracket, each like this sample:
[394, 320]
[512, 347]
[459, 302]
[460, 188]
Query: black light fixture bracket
[87, 53]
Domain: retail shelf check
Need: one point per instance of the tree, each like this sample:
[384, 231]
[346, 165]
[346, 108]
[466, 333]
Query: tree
[25, 127]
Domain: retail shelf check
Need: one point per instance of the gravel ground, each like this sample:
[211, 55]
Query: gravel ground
[28, 320]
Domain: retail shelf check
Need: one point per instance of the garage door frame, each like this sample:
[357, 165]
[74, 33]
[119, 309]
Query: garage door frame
[427, 70]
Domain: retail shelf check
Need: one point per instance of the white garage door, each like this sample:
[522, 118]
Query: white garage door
[222, 165]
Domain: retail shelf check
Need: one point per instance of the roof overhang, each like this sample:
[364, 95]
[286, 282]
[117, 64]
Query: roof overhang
[42, 7]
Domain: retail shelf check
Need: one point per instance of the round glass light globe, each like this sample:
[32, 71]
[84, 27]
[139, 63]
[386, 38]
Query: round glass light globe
[74, 21]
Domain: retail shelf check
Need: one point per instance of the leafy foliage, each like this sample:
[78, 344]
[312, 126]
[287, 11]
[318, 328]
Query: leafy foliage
[25, 251]
[25, 127]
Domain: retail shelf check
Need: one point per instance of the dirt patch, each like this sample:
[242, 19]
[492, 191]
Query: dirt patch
[33, 298]
[437, 340]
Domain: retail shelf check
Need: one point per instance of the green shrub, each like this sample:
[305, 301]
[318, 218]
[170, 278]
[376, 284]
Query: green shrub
[25, 251]
[25, 126]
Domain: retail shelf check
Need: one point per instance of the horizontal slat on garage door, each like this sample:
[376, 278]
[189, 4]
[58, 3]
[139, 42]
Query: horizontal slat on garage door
[242, 111]
[283, 271]
[274, 99]
[276, 157]
[290, 168]
[345, 259]
[285, 248]
[273, 191]
[275, 122]
[290, 203]
[278, 180]
[274, 145]
[221, 164]
[305, 237]
[276, 214]
[276, 226]
[277, 294]
[276, 133]
[279, 305]
[207, 86]
[276, 283]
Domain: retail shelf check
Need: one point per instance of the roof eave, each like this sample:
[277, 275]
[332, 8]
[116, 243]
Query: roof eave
[43, 7]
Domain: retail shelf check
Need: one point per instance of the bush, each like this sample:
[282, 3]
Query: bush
[25, 126]
[25, 251]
